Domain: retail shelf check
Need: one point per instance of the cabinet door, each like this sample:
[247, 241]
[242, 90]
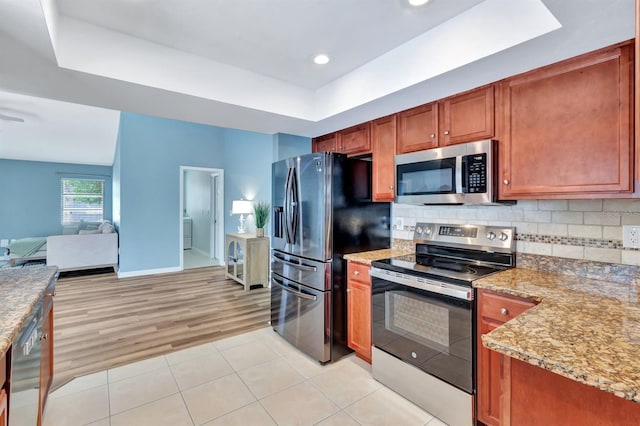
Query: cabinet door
[493, 311]
[418, 128]
[567, 130]
[359, 309]
[3, 408]
[355, 140]
[46, 354]
[467, 117]
[383, 140]
[328, 143]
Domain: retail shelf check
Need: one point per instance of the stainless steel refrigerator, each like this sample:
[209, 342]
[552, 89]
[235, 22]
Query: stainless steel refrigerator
[322, 210]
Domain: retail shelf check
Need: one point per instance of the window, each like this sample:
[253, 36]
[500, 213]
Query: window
[82, 200]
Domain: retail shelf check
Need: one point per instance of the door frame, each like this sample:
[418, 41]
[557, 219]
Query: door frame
[219, 225]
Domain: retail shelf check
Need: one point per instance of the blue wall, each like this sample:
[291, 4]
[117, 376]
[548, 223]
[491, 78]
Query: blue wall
[287, 146]
[30, 203]
[247, 171]
[151, 152]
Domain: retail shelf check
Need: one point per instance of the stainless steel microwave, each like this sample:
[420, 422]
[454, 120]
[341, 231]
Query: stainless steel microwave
[455, 174]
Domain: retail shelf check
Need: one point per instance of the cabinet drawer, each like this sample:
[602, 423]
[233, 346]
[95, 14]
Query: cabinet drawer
[358, 272]
[502, 308]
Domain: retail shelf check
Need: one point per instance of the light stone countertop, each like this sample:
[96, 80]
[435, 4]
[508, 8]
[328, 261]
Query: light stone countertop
[20, 290]
[584, 329]
[370, 256]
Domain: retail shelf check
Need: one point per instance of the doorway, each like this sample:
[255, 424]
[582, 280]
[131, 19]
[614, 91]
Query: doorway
[201, 217]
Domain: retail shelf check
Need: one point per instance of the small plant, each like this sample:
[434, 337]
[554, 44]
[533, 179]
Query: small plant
[261, 213]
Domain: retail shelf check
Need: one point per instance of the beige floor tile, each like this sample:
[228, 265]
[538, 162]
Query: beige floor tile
[339, 419]
[200, 370]
[141, 389]
[277, 343]
[27, 414]
[103, 422]
[270, 377]
[346, 383]
[305, 365]
[385, 407]
[436, 422]
[189, 354]
[79, 408]
[217, 398]
[234, 341]
[80, 384]
[248, 355]
[302, 404]
[136, 368]
[169, 411]
[253, 414]
[25, 397]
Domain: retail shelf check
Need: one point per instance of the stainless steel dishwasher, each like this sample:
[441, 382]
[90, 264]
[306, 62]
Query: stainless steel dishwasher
[25, 371]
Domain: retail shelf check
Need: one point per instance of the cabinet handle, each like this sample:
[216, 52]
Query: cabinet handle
[432, 135]
[45, 336]
[506, 181]
[504, 311]
[348, 290]
[390, 186]
[446, 132]
[356, 273]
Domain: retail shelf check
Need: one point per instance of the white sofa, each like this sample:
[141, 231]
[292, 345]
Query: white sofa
[83, 251]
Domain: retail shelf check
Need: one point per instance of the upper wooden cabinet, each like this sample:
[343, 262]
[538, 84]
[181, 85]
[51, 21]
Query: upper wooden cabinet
[467, 117]
[461, 118]
[355, 140]
[383, 141]
[324, 143]
[567, 129]
[418, 128]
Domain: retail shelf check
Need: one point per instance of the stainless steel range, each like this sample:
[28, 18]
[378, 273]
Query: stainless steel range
[424, 315]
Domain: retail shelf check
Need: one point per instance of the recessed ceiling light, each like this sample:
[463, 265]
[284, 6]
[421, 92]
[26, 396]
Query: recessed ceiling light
[321, 59]
[417, 3]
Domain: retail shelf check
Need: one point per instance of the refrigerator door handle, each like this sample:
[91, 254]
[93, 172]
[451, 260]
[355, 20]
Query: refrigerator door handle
[287, 207]
[291, 206]
[300, 266]
[299, 294]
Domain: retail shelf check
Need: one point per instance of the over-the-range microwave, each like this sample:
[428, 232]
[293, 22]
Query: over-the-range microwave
[455, 174]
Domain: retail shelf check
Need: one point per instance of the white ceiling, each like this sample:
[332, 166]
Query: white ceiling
[247, 63]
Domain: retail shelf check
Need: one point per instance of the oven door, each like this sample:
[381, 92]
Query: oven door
[428, 324]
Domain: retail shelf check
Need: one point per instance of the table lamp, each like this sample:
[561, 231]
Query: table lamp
[241, 207]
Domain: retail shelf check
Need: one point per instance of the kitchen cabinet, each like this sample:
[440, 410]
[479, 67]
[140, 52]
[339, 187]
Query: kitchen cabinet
[541, 397]
[328, 143]
[568, 129]
[355, 140]
[418, 128]
[383, 141]
[46, 351]
[247, 259]
[3, 389]
[494, 310]
[465, 117]
[359, 309]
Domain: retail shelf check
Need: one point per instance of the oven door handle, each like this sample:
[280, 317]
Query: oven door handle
[299, 294]
[456, 291]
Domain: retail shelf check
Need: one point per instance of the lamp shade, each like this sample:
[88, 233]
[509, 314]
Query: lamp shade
[241, 207]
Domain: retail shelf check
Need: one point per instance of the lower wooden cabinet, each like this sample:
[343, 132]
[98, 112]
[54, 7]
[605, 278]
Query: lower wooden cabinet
[3, 390]
[494, 310]
[3, 408]
[359, 309]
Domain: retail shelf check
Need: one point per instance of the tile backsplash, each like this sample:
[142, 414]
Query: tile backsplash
[575, 229]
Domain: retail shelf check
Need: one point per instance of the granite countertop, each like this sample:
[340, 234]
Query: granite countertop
[584, 329]
[20, 290]
[371, 256]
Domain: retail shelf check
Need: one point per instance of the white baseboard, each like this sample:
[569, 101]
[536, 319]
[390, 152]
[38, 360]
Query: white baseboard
[148, 272]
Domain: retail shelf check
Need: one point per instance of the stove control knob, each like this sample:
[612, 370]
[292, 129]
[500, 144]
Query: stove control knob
[419, 230]
[427, 231]
[503, 236]
[491, 235]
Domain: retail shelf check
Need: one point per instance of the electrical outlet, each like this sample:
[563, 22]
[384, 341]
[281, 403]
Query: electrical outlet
[399, 223]
[631, 236]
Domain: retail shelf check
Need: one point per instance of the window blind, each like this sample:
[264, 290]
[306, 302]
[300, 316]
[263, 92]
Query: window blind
[82, 200]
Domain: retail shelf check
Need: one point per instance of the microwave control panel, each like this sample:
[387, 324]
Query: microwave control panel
[476, 179]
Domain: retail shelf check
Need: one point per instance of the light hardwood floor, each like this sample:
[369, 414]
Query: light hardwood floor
[101, 321]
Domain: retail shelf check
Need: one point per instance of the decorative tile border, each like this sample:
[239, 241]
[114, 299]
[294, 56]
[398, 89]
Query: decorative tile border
[572, 241]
